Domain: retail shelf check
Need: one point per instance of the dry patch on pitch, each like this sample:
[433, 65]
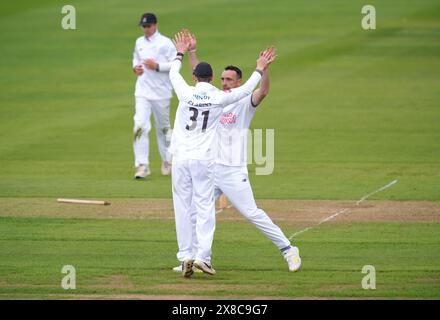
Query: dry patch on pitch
[304, 212]
[128, 296]
[384, 211]
[111, 282]
[174, 297]
[137, 296]
[191, 288]
[158, 297]
[118, 209]
[298, 212]
[132, 297]
[339, 288]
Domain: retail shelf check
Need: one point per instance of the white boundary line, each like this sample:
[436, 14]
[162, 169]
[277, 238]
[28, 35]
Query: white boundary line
[378, 190]
[344, 210]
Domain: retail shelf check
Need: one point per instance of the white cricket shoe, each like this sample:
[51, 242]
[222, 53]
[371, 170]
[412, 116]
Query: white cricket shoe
[179, 269]
[142, 171]
[187, 268]
[166, 168]
[293, 259]
[206, 268]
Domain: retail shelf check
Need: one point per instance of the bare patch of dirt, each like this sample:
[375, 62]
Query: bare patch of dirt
[429, 280]
[298, 212]
[340, 288]
[213, 287]
[129, 297]
[180, 297]
[118, 209]
[177, 297]
[304, 212]
[112, 282]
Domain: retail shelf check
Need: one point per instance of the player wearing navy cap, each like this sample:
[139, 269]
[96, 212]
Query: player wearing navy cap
[152, 58]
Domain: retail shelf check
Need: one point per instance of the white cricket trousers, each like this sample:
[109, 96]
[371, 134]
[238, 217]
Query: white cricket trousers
[142, 127]
[193, 185]
[234, 183]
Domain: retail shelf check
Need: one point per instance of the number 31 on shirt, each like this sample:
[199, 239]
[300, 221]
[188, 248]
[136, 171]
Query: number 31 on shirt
[193, 119]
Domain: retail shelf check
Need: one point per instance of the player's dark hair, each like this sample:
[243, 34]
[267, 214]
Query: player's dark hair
[204, 79]
[236, 69]
[203, 72]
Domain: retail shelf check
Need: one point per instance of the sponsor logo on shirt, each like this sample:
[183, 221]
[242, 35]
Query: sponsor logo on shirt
[228, 118]
[201, 97]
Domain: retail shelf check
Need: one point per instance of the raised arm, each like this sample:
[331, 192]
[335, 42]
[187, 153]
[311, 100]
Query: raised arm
[263, 90]
[265, 58]
[192, 43]
[179, 84]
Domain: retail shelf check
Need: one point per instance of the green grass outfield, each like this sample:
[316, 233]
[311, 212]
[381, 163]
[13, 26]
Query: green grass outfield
[352, 111]
[132, 258]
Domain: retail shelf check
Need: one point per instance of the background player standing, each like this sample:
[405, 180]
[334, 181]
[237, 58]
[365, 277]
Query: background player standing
[152, 58]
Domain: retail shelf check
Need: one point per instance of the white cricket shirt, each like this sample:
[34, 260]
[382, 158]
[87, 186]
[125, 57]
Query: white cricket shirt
[232, 134]
[152, 84]
[198, 114]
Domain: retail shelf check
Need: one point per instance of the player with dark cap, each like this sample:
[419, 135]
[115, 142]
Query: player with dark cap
[152, 57]
[203, 71]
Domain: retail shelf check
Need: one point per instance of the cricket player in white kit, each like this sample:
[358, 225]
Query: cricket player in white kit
[152, 57]
[230, 171]
[193, 145]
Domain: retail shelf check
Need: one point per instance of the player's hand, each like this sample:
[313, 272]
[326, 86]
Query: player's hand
[190, 39]
[181, 42]
[270, 54]
[138, 70]
[266, 57]
[150, 64]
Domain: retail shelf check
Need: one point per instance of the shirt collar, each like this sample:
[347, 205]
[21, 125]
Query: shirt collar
[153, 37]
[203, 85]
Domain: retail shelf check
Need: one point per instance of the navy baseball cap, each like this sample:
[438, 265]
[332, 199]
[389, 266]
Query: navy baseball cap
[203, 70]
[148, 18]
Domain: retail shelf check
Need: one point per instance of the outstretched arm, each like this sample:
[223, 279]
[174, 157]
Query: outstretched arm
[192, 48]
[265, 58]
[179, 84]
[263, 90]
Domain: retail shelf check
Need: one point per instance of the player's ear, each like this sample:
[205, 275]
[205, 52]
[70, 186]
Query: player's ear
[194, 78]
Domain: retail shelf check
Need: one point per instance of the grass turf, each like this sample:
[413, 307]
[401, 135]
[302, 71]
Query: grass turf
[134, 257]
[352, 110]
